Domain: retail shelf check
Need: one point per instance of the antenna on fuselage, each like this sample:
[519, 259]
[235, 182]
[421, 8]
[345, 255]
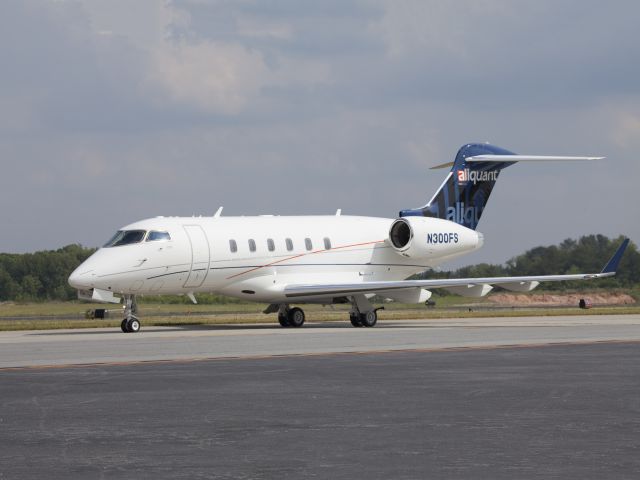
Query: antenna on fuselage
[338, 212]
[218, 212]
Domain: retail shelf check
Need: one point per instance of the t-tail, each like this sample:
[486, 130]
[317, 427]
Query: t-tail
[464, 194]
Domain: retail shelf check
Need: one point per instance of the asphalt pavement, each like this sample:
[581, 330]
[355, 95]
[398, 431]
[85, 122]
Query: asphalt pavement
[564, 411]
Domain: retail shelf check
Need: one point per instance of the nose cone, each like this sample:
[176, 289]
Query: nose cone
[81, 278]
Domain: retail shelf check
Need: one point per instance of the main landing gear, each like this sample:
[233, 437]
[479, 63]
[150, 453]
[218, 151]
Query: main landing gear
[290, 317]
[362, 313]
[368, 319]
[131, 323]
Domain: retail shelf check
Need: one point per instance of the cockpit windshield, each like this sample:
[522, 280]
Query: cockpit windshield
[154, 236]
[126, 237]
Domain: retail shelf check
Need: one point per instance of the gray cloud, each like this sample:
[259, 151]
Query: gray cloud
[111, 112]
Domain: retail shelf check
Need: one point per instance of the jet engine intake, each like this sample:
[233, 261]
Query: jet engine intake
[423, 237]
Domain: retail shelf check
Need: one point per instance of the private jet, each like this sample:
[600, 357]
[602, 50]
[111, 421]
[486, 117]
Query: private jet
[332, 259]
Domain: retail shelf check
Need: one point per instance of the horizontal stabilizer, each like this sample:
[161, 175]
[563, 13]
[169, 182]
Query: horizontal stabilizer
[464, 194]
[526, 158]
[442, 165]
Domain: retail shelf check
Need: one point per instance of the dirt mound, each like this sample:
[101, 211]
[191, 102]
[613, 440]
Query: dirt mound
[554, 299]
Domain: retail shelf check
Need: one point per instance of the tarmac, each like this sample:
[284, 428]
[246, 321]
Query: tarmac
[535, 397]
[187, 343]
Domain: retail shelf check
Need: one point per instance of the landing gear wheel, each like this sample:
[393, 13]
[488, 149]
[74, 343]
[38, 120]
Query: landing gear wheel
[355, 320]
[130, 324]
[369, 319]
[283, 320]
[295, 317]
[133, 325]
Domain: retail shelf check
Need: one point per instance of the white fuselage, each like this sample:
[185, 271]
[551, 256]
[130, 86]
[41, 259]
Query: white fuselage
[255, 257]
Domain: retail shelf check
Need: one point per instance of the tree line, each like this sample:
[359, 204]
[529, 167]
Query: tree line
[42, 276]
[588, 254]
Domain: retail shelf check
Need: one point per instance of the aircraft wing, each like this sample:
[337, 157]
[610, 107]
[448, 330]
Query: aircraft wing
[459, 285]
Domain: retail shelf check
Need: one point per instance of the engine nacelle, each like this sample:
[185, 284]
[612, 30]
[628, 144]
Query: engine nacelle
[423, 237]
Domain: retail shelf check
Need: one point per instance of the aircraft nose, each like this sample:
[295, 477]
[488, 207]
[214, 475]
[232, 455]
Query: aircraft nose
[80, 278]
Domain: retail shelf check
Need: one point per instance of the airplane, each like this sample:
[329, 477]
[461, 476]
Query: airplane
[320, 259]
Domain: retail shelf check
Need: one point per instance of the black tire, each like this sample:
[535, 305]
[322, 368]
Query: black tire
[296, 317]
[133, 325]
[283, 320]
[369, 319]
[123, 326]
[355, 320]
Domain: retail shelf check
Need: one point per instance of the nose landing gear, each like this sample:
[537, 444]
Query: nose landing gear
[131, 323]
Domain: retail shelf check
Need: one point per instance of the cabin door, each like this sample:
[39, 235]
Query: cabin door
[199, 256]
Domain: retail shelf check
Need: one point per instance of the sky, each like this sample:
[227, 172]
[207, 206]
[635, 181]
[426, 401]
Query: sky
[114, 111]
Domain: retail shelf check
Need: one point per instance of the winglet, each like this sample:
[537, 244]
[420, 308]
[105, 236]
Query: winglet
[612, 264]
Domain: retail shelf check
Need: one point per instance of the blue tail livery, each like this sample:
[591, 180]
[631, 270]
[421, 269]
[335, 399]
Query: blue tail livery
[466, 190]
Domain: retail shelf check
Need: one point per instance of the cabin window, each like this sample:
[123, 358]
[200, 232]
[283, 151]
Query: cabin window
[307, 243]
[327, 243]
[156, 236]
[233, 246]
[126, 237]
[270, 245]
[289, 244]
[252, 245]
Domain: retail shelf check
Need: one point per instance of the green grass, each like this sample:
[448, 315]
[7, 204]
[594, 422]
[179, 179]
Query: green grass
[178, 314]
[54, 309]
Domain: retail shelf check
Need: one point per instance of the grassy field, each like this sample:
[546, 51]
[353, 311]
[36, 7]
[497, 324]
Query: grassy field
[78, 310]
[73, 315]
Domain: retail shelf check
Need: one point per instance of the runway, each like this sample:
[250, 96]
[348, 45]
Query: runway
[109, 346]
[554, 397]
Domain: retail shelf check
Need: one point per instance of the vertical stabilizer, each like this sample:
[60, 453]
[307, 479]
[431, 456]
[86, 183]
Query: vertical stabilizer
[466, 190]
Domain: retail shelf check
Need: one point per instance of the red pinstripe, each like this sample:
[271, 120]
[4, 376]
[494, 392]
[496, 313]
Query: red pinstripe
[301, 255]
